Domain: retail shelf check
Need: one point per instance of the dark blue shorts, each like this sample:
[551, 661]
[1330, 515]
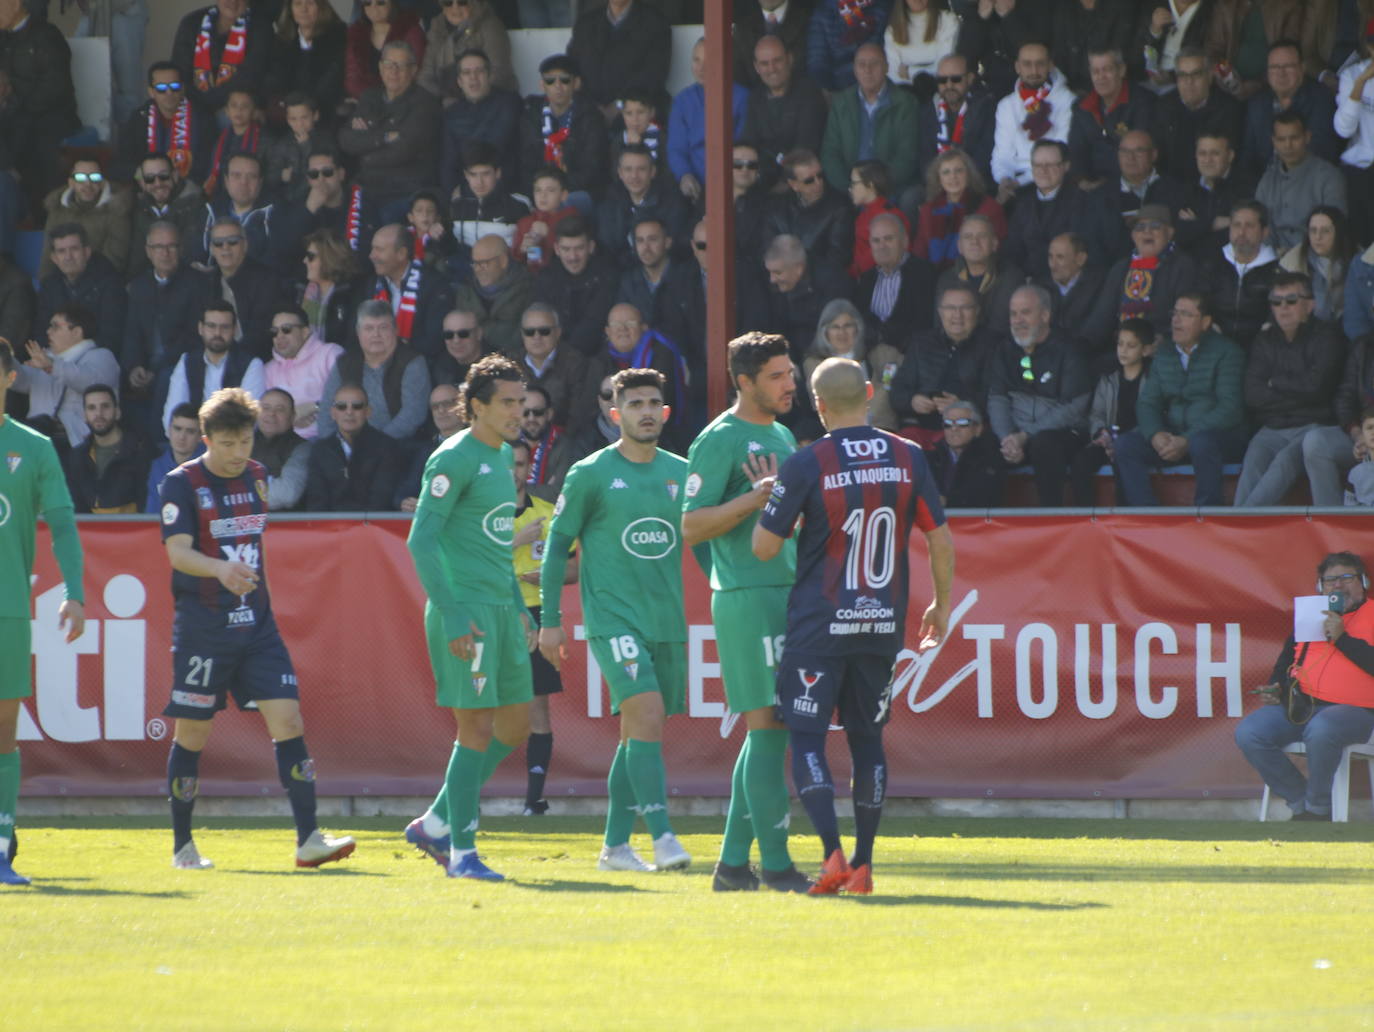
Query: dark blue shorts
[207, 667]
[813, 688]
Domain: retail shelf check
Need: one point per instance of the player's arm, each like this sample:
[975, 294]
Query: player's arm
[66, 545]
[765, 543]
[782, 509]
[711, 521]
[552, 577]
[239, 578]
[935, 622]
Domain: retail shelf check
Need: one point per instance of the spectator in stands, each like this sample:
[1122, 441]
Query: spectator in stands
[798, 288]
[871, 120]
[164, 196]
[1195, 109]
[331, 293]
[838, 29]
[81, 277]
[308, 55]
[643, 283]
[868, 190]
[1038, 395]
[462, 28]
[1296, 181]
[169, 123]
[1082, 29]
[1288, 89]
[788, 20]
[108, 473]
[166, 301]
[961, 115]
[13, 207]
[895, 295]
[54, 376]
[631, 344]
[382, 23]
[287, 155]
[1170, 30]
[841, 333]
[356, 467]
[597, 431]
[241, 134]
[1074, 284]
[222, 46]
[812, 211]
[786, 111]
[565, 130]
[1358, 317]
[478, 111]
[87, 199]
[183, 445]
[1053, 204]
[547, 439]
[485, 208]
[1140, 183]
[279, 445]
[301, 363]
[393, 376]
[499, 292]
[1102, 116]
[1324, 257]
[579, 285]
[1039, 107]
[218, 362]
[249, 285]
[992, 34]
[555, 371]
[1146, 283]
[1190, 409]
[394, 132]
[328, 203]
[1112, 411]
[417, 295]
[982, 268]
[37, 65]
[1294, 368]
[638, 123]
[242, 201]
[463, 345]
[16, 301]
[1360, 486]
[1208, 199]
[534, 233]
[943, 364]
[687, 127]
[919, 34]
[622, 45]
[1237, 39]
[445, 413]
[638, 193]
[1241, 275]
[1354, 123]
[1336, 674]
[966, 462]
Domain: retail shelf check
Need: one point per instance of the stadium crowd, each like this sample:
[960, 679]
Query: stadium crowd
[1061, 235]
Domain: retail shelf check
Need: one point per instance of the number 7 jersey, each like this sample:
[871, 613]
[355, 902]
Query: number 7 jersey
[859, 492]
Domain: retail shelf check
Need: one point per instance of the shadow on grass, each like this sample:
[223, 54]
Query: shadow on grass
[55, 887]
[1222, 872]
[976, 902]
[577, 886]
[319, 872]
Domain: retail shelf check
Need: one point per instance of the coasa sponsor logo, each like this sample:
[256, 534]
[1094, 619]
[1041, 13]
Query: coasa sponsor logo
[649, 538]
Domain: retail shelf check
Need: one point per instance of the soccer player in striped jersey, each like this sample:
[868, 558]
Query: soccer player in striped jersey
[224, 636]
[859, 492]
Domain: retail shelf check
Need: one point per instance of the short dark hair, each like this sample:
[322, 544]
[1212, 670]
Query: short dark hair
[473, 52]
[480, 152]
[534, 388]
[163, 66]
[299, 98]
[1367, 413]
[550, 172]
[650, 219]
[638, 96]
[1342, 559]
[283, 392]
[185, 411]
[157, 156]
[1200, 298]
[560, 63]
[229, 408]
[99, 388]
[480, 383]
[1292, 116]
[78, 315]
[244, 155]
[628, 379]
[1292, 278]
[1286, 43]
[246, 91]
[66, 229]
[1140, 328]
[288, 308]
[1058, 146]
[639, 149]
[218, 305]
[750, 352]
[1250, 204]
[520, 442]
[574, 226]
[874, 175]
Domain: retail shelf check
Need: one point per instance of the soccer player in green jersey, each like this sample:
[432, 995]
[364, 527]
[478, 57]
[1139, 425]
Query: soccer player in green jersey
[623, 503]
[479, 632]
[31, 482]
[731, 468]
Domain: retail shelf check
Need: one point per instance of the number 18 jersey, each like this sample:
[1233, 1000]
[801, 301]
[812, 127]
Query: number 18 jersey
[859, 493]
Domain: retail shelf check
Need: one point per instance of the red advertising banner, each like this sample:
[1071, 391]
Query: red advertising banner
[1088, 656]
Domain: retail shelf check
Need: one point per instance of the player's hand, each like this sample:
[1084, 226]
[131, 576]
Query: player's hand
[934, 625]
[465, 648]
[762, 471]
[71, 614]
[551, 644]
[531, 632]
[529, 533]
[238, 578]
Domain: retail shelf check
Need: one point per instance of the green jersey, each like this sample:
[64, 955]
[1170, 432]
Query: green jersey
[31, 482]
[715, 475]
[626, 517]
[464, 529]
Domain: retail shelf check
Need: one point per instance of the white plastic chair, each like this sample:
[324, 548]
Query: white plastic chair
[1340, 783]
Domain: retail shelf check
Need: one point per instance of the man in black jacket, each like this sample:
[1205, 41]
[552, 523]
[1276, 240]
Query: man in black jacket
[1104, 115]
[108, 473]
[37, 62]
[480, 113]
[944, 364]
[1241, 273]
[961, 114]
[1294, 367]
[563, 129]
[638, 193]
[895, 295]
[417, 293]
[356, 468]
[798, 289]
[1207, 200]
[1194, 109]
[1074, 284]
[1051, 205]
[253, 288]
[1146, 283]
[224, 71]
[622, 45]
[164, 196]
[83, 277]
[966, 463]
[579, 285]
[814, 212]
[788, 20]
[785, 112]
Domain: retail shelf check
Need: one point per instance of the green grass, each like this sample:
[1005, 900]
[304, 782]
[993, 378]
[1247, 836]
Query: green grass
[975, 924]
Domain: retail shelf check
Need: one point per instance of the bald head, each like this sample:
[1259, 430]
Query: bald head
[772, 64]
[490, 258]
[840, 387]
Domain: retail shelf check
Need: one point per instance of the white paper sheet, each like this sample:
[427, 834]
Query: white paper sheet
[1309, 612]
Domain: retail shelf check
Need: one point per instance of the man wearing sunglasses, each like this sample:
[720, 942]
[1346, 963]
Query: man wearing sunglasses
[252, 287]
[356, 468]
[88, 199]
[218, 362]
[300, 364]
[163, 196]
[785, 112]
[814, 212]
[967, 465]
[329, 203]
[961, 114]
[562, 129]
[1294, 367]
[168, 123]
[244, 200]
[549, 367]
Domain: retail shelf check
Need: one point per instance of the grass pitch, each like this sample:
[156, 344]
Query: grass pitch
[975, 924]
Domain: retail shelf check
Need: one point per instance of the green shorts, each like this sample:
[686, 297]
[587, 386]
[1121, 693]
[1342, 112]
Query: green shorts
[16, 664]
[499, 675]
[750, 626]
[632, 666]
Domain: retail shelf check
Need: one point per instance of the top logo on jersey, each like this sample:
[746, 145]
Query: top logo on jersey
[205, 498]
[671, 487]
[12, 460]
[439, 486]
[693, 485]
[499, 524]
[649, 538]
[866, 449]
[618, 485]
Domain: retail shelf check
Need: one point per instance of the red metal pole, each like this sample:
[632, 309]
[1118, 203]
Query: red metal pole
[720, 206]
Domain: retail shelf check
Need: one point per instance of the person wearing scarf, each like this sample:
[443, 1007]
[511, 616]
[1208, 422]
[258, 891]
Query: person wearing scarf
[631, 344]
[169, 123]
[221, 46]
[838, 29]
[1039, 107]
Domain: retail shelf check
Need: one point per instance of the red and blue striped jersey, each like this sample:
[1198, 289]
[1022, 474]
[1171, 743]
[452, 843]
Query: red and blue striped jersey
[226, 519]
[859, 493]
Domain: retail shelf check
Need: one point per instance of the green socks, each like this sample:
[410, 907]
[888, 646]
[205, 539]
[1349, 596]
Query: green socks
[438, 810]
[436, 819]
[620, 800]
[739, 829]
[9, 793]
[650, 783]
[464, 784]
[765, 789]
[497, 751]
